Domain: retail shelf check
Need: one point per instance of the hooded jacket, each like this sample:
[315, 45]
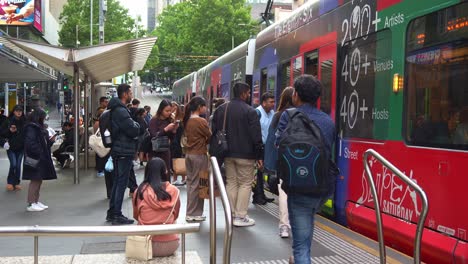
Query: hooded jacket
[151, 211]
[125, 130]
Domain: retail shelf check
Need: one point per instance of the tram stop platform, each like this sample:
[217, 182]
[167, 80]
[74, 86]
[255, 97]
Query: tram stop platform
[86, 204]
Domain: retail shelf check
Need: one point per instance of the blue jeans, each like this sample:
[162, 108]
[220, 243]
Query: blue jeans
[122, 166]
[302, 209]
[15, 157]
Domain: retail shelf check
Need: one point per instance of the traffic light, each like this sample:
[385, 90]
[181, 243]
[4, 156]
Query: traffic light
[65, 84]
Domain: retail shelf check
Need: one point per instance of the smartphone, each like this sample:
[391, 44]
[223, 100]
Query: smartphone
[177, 121]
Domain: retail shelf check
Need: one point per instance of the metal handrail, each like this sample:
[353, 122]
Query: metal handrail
[215, 174]
[416, 187]
[67, 231]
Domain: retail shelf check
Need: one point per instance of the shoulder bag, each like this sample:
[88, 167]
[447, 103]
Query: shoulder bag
[218, 142]
[95, 143]
[141, 247]
[160, 143]
[30, 162]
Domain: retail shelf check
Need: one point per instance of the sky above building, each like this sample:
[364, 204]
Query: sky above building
[137, 8]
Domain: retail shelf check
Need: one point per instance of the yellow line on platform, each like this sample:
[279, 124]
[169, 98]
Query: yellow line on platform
[358, 244]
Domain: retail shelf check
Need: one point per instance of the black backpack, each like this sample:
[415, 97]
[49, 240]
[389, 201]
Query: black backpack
[105, 124]
[303, 164]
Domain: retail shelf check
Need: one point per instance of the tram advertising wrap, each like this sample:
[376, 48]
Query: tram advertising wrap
[21, 13]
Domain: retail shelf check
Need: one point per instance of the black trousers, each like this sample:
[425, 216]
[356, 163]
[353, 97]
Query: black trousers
[101, 162]
[258, 191]
[108, 177]
[60, 156]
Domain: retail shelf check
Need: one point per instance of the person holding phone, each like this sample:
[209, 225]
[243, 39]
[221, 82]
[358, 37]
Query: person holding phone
[12, 133]
[163, 125]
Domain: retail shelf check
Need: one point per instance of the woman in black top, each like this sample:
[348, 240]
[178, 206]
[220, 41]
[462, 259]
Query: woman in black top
[12, 132]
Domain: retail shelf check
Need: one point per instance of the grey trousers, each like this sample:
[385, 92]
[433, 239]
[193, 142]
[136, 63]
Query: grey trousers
[194, 164]
[33, 191]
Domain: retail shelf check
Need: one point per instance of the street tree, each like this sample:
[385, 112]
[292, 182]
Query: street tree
[118, 26]
[192, 33]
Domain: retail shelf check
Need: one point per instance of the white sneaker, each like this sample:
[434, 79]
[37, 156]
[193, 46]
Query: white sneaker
[243, 221]
[41, 205]
[34, 208]
[195, 218]
[284, 231]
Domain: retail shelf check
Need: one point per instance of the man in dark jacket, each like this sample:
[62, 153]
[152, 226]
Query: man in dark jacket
[124, 135]
[244, 138]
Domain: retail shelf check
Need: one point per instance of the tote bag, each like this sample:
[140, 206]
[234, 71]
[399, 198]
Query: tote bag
[95, 142]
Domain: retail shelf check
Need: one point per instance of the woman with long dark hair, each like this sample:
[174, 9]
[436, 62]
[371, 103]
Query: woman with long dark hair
[12, 132]
[271, 159]
[37, 165]
[163, 125]
[157, 202]
[198, 134]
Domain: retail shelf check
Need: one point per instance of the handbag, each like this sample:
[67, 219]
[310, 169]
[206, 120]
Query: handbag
[178, 166]
[218, 142]
[141, 247]
[30, 162]
[160, 143]
[204, 185]
[95, 142]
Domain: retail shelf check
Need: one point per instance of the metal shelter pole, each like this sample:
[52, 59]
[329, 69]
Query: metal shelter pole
[85, 120]
[91, 25]
[76, 132]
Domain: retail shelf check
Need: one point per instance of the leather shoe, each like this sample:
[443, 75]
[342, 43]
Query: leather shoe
[260, 201]
[121, 220]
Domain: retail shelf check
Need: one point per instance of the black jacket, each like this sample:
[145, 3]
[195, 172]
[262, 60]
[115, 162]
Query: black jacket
[244, 134]
[16, 140]
[125, 130]
[37, 146]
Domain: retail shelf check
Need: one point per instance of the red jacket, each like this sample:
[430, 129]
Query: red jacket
[150, 211]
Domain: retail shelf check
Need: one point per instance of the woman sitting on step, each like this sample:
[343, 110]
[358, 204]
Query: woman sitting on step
[157, 202]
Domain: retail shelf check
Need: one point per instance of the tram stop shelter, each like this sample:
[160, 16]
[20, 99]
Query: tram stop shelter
[91, 65]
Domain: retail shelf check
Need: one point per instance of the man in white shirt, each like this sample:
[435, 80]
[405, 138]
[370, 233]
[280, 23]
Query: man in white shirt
[265, 113]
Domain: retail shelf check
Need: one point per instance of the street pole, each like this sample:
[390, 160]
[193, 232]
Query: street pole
[102, 10]
[232, 41]
[91, 25]
[76, 37]
[136, 72]
[76, 95]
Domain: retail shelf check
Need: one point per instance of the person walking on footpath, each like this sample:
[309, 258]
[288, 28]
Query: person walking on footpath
[304, 204]
[265, 114]
[271, 160]
[245, 150]
[124, 134]
[196, 159]
[157, 202]
[37, 165]
[12, 134]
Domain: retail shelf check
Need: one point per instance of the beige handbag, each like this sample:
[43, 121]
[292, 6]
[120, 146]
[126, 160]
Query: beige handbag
[95, 142]
[141, 247]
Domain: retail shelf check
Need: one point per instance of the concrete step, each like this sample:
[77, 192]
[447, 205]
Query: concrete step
[191, 257]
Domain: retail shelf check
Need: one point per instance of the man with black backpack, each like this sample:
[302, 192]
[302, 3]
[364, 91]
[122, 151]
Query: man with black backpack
[124, 134]
[305, 137]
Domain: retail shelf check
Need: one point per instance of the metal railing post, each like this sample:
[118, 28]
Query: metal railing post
[227, 211]
[36, 250]
[412, 184]
[183, 248]
[212, 219]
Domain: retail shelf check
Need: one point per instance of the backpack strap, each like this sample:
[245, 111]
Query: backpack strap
[292, 112]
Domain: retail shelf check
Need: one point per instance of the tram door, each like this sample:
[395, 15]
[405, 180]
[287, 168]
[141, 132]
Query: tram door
[327, 75]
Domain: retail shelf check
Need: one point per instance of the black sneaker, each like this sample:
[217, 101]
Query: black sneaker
[121, 220]
[260, 201]
[109, 218]
[269, 200]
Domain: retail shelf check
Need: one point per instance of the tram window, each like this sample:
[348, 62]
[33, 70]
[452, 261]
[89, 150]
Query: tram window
[285, 76]
[365, 71]
[297, 67]
[263, 81]
[311, 63]
[437, 77]
[326, 79]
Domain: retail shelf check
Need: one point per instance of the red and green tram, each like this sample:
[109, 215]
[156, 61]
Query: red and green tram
[395, 74]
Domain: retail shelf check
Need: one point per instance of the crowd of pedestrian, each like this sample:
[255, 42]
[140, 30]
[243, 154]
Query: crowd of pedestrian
[254, 137]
